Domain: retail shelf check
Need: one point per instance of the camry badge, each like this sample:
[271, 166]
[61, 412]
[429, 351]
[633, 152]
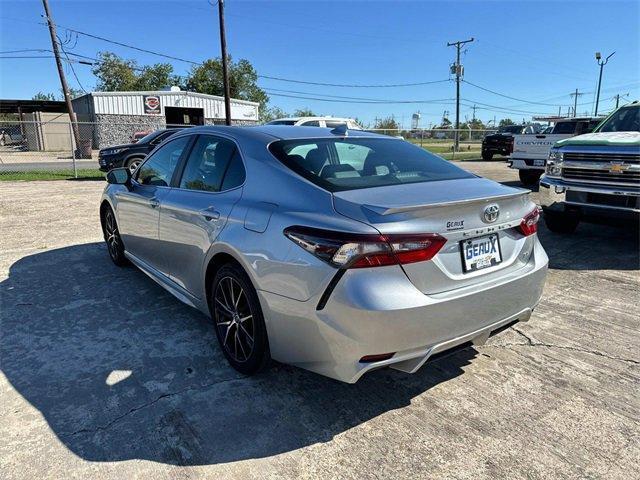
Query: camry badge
[491, 213]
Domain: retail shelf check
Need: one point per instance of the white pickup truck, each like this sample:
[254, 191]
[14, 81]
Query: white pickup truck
[530, 152]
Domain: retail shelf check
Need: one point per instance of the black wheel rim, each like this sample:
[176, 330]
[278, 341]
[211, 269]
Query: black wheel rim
[112, 236]
[234, 319]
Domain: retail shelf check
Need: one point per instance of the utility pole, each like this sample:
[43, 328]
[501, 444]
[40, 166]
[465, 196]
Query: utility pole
[473, 119]
[576, 94]
[617, 97]
[63, 80]
[225, 68]
[602, 63]
[458, 69]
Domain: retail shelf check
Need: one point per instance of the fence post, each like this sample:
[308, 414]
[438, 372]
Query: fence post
[73, 151]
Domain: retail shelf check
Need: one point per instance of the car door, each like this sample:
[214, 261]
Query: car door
[194, 213]
[138, 207]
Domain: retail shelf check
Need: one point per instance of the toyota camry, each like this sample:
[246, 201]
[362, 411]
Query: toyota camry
[339, 251]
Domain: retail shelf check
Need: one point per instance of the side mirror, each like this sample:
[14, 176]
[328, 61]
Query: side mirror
[119, 176]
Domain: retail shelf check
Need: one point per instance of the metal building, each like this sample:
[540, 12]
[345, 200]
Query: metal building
[113, 117]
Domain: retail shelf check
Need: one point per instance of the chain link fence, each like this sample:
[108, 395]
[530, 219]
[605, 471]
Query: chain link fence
[30, 149]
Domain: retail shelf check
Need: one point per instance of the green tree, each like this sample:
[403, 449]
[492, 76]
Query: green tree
[114, 74]
[388, 126]
[305, 112]
[271, 113]
[44, 96]
[505, 122]
[117, 74]
[243, 80]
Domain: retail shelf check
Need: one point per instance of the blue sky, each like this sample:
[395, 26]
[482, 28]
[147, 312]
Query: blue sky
[534, 51]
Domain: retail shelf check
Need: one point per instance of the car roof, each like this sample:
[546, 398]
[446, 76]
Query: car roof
[297, 119]
[277, 132]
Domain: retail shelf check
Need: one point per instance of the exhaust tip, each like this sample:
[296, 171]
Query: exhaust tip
[377, 358]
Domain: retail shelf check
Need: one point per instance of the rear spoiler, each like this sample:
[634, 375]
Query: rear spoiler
[380, 210]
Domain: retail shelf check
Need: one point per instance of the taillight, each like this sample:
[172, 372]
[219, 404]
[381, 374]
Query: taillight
[529, 224]
[356, 250]
[510, 143]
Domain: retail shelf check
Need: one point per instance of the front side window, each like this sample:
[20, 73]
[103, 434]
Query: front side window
[159, 167]
[311, 123]
[210, 161]
[626, 119]
[337, 164]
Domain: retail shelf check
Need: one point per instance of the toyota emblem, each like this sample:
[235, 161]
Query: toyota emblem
[491, 213]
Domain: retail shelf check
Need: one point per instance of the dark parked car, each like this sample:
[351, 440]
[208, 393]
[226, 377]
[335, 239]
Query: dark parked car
[501, 142]
[132, 154]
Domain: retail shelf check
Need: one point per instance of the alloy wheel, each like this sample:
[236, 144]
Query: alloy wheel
[112, 235]
[234, 319]
[133, 166]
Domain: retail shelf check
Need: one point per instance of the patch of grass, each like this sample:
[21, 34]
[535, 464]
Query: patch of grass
[32, 175]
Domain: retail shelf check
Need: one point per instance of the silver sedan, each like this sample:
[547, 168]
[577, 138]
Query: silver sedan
[337, 251]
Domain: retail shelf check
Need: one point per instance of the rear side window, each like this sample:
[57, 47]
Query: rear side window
[159, 167]
[338, 164]
[208, 163]
[565, 128]
[311, 123]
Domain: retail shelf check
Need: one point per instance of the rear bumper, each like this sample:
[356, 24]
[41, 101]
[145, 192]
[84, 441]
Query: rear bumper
[369, 314]
[584, 198]
[525, 164]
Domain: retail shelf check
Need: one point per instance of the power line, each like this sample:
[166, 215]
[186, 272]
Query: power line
[376, 100]
[347, 85]
[508, 96]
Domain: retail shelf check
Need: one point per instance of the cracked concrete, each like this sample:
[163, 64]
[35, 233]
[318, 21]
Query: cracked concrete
[105, 375]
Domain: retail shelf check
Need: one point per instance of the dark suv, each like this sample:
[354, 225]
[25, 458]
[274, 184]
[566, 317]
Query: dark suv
[501, 142]
[131, 155]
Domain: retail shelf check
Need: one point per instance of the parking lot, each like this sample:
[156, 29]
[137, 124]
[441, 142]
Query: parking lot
[106, 375]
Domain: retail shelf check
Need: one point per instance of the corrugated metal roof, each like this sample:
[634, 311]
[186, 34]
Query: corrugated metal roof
[132, 103]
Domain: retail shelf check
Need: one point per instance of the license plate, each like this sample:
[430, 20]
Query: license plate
[481, 252]
[539, 162]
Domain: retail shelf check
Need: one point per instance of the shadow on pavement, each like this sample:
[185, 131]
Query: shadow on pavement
[592, 247]
[121, 370]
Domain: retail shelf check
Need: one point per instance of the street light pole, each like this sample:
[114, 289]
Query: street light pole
[602, 64]
[225, 68]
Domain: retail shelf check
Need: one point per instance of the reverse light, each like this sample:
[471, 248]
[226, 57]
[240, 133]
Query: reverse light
[355, 250]
[529, 224]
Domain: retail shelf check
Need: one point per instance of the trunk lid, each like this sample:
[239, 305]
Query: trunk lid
[453, 209]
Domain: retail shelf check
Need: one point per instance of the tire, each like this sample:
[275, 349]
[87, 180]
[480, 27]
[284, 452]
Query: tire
[133, 163]
[561, 222]
[238, 320]
[529, 177]
[487, 156]
[112, 238]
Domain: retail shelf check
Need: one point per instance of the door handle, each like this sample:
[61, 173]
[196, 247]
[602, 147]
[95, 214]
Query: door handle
[210, 214]
[153, 202]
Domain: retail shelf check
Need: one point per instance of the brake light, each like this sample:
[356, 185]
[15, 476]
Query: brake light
[510, 143]
[355, 250]
[529, 224]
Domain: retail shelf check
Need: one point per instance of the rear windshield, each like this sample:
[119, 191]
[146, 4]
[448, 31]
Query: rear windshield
[282, 122]
[626, 119]
[510, 129]
[351, 163]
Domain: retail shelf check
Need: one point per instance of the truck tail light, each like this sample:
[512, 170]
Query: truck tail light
[529, 224]
[356, 250]
[510, 145]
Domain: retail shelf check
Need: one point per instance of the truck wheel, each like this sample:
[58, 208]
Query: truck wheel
[529, 177]
[487, 156]
[561, 222]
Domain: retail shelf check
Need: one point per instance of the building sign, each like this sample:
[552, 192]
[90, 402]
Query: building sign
[151, 104]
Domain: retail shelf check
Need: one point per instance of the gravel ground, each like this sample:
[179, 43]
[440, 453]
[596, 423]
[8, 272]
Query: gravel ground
[105, 375]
